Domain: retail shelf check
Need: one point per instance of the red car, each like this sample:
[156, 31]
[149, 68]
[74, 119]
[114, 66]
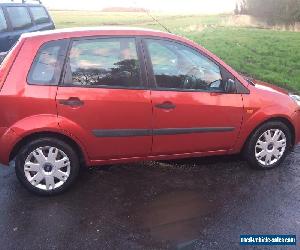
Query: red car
[111, 95]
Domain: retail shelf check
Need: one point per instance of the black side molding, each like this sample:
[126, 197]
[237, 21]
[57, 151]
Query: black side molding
[121, 132]
[179, 131]
[162, 131]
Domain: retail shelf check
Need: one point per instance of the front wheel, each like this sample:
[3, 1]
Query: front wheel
[268, 145]
[47, 166]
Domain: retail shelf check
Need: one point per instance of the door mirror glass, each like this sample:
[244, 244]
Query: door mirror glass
[230, 86]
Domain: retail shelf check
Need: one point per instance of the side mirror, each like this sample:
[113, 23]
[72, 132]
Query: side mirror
[230, 86]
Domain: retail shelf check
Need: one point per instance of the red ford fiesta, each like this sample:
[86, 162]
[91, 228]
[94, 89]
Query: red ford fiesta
[111, 95]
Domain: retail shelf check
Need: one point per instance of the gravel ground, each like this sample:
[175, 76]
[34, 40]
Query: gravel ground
[201, 203]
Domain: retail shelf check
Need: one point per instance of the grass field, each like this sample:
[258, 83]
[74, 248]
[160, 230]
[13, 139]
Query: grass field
[268, 55]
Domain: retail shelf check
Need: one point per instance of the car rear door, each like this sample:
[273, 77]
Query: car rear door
[104, 100]
[191, 110]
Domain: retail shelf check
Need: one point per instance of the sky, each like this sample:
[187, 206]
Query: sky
[199, 6]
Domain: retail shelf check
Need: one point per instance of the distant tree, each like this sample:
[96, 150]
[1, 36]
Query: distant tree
[236, 10]
[243, 7]
[273, 11]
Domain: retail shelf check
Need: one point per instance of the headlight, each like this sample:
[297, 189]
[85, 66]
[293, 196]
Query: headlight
[296, 98]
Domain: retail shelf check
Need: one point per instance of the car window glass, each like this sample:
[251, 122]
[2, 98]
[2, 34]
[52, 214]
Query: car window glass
[3, 24]
[39, 14]
[176, 66]
[47, 63]
[19, 17]
[103, 62]
[161, 56]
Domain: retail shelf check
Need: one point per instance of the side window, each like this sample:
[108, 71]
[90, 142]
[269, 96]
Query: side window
[47, 65]
[19, 17]
[111, 62]
[39, 14]
[3, 24]
[176, 66]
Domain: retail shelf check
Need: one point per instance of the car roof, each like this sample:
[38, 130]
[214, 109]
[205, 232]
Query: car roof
[101, 31]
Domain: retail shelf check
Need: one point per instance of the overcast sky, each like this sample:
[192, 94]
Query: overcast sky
[201, 6]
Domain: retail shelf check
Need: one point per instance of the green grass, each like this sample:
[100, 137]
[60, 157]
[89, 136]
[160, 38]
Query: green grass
[272, 56]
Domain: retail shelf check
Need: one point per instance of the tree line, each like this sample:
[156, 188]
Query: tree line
[272, 11]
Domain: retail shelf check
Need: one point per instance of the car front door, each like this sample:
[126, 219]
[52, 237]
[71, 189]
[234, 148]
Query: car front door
[192, 112]
[103, 99]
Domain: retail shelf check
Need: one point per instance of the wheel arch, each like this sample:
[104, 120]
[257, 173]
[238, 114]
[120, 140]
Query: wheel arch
[79, 150]
[280, 119]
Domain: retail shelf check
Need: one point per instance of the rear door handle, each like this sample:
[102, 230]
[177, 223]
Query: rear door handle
[72, 102]
[166, 105]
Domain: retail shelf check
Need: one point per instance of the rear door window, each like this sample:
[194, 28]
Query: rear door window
[39, 14]
[47, 65]
[104, 62]
[19, 17]
[3, 24]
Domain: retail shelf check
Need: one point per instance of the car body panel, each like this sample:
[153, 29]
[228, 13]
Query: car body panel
[263, 108]
[157, 157]
[43, 124]
[25, 107]
[108, 109]
[194, 111]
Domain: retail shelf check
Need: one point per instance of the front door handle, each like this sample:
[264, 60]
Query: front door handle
[166, 105]
[72, 102]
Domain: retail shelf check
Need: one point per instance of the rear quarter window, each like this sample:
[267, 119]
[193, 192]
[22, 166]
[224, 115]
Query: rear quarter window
[47, 65]
[3, 24]
[19, 17]
[39, 14]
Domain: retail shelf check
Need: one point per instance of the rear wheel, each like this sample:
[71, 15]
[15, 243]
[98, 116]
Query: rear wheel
[268, 145]
[47, 166]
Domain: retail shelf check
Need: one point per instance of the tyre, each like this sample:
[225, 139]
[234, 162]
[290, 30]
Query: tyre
[47, 166]
[268, 145]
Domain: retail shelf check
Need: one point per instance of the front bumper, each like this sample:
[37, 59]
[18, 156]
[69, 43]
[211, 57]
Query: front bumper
[296, 123]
